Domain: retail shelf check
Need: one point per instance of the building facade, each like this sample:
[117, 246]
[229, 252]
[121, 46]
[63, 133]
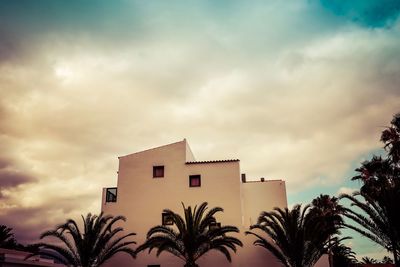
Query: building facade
[164, 177]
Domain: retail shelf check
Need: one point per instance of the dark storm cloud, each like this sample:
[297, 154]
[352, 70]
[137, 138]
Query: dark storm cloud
[370, 13]
[29, 222]
[18, 220]
[12, 178]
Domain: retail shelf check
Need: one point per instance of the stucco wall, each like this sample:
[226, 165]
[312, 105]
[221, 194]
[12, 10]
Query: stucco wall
[141, 198]
[259, 196]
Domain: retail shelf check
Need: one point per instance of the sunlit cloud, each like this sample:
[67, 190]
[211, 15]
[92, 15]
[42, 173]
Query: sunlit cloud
[346, 190]
[64, 73]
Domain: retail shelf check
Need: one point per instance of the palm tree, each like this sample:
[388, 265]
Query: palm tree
[194, 235]
[328, 207]
[330, 211]
[343, 256]
[377, 221]
[386, 260]
[297, 237]
[98, 242]
[7, 239]
[391, 138]
[368, 260]
[377, 216]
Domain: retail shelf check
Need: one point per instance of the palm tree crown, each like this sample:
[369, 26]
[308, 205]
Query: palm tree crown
[379, 217]
[368, 260]
[391, 138]
[98, 242]
[7, 239]
[297, 237]
[193, 236]
[378, 198]
[328, 209]
[343, 256]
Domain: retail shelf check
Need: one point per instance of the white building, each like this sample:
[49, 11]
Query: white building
[163, 177]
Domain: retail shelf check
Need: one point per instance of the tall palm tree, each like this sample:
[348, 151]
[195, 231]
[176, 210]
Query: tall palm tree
[328, 207]
[194, 235]
[391, 138]
[377, 222]
[97, 243]
[377, 216]
[343, 256]
[297, 237]
[330, 212]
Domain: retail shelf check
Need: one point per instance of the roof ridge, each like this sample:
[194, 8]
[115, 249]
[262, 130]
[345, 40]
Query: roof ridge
[211, 161]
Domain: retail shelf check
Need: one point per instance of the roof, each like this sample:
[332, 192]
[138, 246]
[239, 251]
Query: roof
[212, 161]
[154, 148]
[265, 181]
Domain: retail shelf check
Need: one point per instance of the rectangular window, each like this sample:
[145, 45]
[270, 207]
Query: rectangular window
[158, 171]
[194, 180]
[153, 265]
[111, 194]
[166, 219]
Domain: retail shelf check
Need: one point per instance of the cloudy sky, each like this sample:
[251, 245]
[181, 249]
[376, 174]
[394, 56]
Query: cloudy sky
[298, 90]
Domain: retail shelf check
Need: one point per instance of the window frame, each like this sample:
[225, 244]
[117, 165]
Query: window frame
[108, 200]
[194, 176]
[159, 167]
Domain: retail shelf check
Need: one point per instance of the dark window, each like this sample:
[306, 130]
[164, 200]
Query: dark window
[158, 171]
[153, 265]
[215, 225]
[194, 180]
[111, 194]
[166, 219]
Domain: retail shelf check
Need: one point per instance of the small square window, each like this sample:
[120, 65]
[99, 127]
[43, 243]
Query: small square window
[166, 219]
[194, 180]
[111, 194]
[158, 171]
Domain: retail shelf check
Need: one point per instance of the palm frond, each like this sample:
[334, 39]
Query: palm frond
[193, 236]
[95, 244]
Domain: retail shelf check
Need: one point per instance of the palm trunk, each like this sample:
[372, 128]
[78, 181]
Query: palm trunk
[396, 258]
[395, 253]
[330, 256]
[191, 264]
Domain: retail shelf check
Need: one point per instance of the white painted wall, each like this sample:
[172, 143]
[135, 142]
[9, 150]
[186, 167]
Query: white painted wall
[141, 198]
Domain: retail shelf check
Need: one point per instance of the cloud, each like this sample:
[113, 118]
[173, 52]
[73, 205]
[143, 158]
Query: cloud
[370, 13]
[346, 190]
[242, 82]
[13, 178]
[29, 222]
